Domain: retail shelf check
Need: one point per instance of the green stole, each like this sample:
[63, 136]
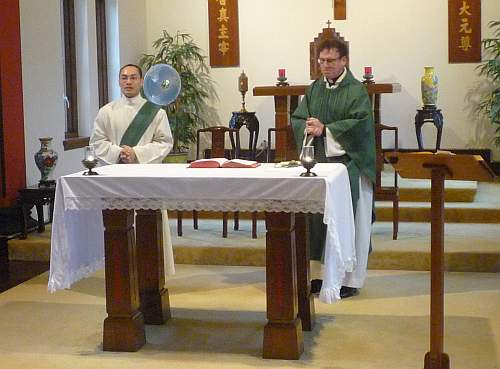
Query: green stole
[141, 122]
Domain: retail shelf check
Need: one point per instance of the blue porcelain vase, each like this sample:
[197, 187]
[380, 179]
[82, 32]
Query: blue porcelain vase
[46, 160]
[429, 86]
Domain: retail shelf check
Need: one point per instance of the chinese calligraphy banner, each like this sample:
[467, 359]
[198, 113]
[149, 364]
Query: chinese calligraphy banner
[464, 31]
[339, 9]
[223, 33]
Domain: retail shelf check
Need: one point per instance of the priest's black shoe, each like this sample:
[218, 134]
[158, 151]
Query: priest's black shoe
[346, 292]
[316, 285]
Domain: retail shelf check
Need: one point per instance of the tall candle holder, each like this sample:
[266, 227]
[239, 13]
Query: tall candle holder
[368, 76]
[282, 78]
[243, 88]
[89, 160]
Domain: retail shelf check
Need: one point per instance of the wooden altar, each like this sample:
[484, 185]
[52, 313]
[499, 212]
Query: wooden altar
[286, 99]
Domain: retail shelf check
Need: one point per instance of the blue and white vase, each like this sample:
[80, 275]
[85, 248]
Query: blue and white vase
[429, 86]
[46, 160]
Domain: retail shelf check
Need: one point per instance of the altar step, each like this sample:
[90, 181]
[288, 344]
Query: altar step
[468, 247]
[471, 247]
[419, 190]
[472, 235]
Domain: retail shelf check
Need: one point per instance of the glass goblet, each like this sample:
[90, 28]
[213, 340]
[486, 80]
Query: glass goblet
[308, 161]
[89, 160]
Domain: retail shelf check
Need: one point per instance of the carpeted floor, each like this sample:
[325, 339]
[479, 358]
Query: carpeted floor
[219, 311]
[218, 317]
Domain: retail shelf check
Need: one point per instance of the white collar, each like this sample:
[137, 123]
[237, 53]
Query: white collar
[132, 101]
[337, 82]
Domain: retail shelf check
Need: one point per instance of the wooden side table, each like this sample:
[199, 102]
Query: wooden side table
[248, 119]
[36, 196]
[428, 114]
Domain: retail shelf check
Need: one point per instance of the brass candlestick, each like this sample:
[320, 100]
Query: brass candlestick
[243, 88]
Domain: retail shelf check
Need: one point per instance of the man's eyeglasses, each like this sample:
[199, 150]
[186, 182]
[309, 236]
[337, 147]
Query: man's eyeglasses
[133, 77]
[328, 61]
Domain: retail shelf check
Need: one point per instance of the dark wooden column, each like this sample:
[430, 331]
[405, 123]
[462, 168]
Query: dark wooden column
[282, 112]
[306, 299]
[286, 99]
[154, 299]
[283, 332]
[12, 149]
[124, 326]
[436, 358]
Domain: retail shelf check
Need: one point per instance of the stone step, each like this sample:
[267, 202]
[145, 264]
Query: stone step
[419, 190]
[456, 212]
[468, 247]
[474, 247]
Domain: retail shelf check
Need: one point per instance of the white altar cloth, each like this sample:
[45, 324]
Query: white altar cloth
[77, 244]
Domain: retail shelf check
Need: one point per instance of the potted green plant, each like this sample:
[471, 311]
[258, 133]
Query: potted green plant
[186, 114]
[490, 68]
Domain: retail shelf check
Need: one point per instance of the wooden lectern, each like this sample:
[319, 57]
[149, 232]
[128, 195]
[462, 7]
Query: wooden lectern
[438, 167]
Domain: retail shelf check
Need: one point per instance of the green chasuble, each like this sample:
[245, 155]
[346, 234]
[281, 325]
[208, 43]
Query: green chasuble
[347, 113]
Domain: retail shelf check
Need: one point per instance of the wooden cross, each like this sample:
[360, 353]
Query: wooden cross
[339, 9]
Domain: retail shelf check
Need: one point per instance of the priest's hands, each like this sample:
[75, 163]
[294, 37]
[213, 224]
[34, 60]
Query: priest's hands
[314, 127]
[127, 155]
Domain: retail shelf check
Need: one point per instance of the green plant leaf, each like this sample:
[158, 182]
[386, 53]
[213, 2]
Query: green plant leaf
[489, 104]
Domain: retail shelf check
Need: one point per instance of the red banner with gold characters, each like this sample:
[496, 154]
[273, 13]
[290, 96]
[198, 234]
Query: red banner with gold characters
[223, 33]
[464, 31]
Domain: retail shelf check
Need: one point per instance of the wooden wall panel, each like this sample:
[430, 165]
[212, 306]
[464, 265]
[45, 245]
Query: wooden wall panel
[13, 173]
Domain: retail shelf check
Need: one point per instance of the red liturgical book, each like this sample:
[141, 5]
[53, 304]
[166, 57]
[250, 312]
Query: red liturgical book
[223, 163]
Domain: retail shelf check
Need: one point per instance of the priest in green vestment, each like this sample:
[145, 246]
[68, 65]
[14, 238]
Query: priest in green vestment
[335, 116]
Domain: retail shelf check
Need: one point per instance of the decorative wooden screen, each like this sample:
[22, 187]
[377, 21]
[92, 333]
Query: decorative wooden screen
[327, 34]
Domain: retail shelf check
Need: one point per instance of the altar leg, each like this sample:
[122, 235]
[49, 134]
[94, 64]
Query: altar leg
[283, 333]
[306, 299]
[154, 303]
[124, 326]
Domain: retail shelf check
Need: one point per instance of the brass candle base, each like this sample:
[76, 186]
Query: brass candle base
[282, 81]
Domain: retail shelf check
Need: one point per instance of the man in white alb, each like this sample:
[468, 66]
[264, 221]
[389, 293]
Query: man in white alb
[133, 130]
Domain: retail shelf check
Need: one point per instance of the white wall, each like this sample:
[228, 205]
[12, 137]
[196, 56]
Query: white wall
[132, 28]
[397, 37]
[43, 84]
[43, 72]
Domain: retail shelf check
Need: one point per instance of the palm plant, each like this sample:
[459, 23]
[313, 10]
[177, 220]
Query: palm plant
[490, 68]
[186, 113]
